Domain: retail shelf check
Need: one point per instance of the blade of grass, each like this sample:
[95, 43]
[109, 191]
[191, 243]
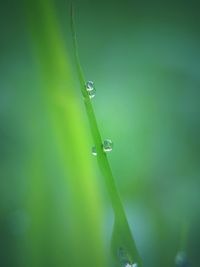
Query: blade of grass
[122, 240]
[63, 199]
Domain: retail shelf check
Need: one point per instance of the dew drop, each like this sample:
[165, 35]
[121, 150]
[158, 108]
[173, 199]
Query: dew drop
[92, 93]
[89, 86]
[181, 259]
[131, 265]
[90, 89]
[107, 145]
[94, 151]
[124, 259]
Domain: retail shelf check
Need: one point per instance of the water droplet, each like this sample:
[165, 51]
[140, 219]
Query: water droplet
[131, 265]
[124, 257]
[181, 259]
[90, 89]
[92, 93]
[94, 151]
[107, 145]
[89, 86]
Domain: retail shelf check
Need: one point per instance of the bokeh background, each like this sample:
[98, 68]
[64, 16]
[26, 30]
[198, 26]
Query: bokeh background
[144, 58]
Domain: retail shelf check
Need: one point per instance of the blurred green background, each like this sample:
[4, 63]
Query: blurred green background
[145, 61]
